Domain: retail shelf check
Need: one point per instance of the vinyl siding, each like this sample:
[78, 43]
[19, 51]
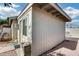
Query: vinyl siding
[47, 31]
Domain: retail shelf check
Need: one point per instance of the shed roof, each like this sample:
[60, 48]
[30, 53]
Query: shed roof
[52, 8]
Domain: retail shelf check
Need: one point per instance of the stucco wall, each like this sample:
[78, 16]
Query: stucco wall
[47, 31]
[6, 30]
[14, 29]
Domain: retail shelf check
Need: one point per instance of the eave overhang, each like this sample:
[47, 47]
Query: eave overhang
[51, 8]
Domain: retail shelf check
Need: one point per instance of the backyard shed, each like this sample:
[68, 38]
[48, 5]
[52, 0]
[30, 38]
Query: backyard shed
[43, 25]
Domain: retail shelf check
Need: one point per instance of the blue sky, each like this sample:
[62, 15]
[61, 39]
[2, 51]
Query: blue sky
[72, 9]
[11, 11]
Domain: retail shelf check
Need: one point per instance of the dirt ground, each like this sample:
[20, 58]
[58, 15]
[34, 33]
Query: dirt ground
[6, 53]
[69, 47]
[9, 53]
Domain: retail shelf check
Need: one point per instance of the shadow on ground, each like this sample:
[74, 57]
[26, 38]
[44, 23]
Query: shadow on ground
[69, 44]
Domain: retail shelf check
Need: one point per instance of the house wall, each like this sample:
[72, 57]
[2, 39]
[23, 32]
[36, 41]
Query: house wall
[14, 32]
[6, 30]
[21, 37]
[47, 31]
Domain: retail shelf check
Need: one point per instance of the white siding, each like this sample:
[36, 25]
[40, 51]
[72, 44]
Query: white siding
[28, 15]
[21, 38]
[47, 31]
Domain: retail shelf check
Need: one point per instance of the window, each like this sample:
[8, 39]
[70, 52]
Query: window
[25, 27]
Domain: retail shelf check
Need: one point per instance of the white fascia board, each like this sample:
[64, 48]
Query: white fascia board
[53, 5]
[30, 4]
[61, 11]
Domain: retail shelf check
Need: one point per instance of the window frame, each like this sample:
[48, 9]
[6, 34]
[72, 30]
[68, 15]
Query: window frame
[26, 24]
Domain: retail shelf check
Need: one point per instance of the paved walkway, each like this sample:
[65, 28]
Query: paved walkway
[6, 49]
[69, 47]
[9, 53]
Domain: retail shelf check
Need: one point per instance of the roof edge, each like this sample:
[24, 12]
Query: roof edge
[55, 5]
[29, 5]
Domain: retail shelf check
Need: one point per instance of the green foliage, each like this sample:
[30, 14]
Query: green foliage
[3, 22]
[8, 4]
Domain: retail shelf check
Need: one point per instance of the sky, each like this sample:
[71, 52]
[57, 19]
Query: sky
[11, 11]
[72, 9]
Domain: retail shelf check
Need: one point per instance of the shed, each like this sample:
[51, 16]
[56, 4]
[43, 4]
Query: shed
[42, 25]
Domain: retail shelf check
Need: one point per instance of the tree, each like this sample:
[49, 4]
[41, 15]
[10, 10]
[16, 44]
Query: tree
[8, 4]
[3, 22]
